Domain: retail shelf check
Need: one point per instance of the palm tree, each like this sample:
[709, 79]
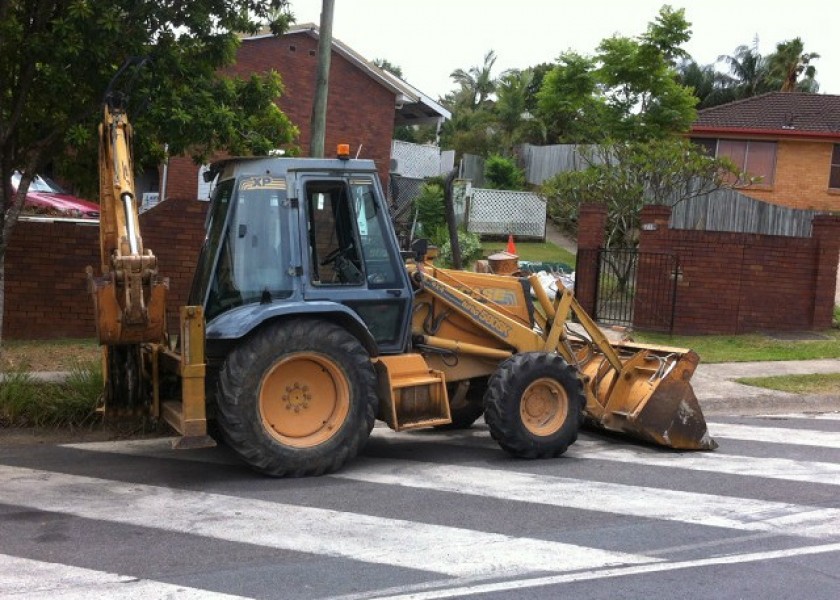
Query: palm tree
[748, 71]
[511, 105]
[478, 82]
[710, 87]
[788, 63]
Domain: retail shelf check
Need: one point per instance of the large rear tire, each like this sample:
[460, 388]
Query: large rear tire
[297, 399]
[534, 405]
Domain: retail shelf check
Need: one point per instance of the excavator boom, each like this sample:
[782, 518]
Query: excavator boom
[129, 296]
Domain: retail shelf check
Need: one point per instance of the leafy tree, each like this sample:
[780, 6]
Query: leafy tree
[627, 175]
[789, 63]
[569, 102]
[538, 73]
[430, 210]
[501, 173]
[56, 59]
[668, 31]
[628, 91]
[643, 97]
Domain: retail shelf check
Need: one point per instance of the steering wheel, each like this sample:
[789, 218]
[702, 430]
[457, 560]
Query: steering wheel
[335, 254]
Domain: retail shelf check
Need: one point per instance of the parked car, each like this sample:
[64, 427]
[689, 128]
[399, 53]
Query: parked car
[45, 196]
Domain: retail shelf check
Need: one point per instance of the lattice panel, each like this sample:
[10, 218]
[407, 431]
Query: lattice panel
[415, 160]
[503, 212]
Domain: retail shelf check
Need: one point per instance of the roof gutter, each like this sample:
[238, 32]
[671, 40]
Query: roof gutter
[775, 133]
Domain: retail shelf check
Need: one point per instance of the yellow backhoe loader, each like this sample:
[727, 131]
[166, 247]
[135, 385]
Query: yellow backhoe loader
[306, 324]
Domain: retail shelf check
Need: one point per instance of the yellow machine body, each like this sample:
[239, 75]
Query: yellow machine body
[639, 390]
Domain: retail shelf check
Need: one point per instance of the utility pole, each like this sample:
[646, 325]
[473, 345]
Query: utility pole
[318, 121]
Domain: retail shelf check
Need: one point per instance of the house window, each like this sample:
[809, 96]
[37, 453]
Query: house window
[707, 145]
[757, 159]
[834, 176]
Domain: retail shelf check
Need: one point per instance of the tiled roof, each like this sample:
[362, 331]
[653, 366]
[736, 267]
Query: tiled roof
[797, 112]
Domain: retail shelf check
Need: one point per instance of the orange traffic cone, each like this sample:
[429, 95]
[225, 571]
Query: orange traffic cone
[511, 247]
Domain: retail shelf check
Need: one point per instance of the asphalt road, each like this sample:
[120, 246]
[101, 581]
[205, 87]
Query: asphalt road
[433, 515]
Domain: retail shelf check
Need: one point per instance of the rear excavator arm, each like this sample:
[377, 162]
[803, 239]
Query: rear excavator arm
[129, 296]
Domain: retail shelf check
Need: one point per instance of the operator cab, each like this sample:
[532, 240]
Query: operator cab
[301, 236]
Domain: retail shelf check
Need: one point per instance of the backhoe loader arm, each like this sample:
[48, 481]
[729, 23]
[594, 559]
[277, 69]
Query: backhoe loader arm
[637, 389]
[129, 296]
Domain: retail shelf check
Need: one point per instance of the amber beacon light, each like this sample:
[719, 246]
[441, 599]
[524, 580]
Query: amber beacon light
[343, 151]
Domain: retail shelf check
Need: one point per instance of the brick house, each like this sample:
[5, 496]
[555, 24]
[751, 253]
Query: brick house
[364, 104]
[791, 140]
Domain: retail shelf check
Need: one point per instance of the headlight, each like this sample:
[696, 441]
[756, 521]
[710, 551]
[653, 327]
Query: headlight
[74, 212]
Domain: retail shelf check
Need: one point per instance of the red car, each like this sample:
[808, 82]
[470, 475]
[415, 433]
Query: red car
[46, 197]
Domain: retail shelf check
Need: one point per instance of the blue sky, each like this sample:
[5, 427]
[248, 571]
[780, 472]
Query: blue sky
[430, 39]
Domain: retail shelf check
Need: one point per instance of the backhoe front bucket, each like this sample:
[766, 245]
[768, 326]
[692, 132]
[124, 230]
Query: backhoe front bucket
[651, 398]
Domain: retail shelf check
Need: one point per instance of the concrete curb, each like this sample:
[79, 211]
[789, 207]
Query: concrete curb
[766, 404]
[719, 394]
[44, 376]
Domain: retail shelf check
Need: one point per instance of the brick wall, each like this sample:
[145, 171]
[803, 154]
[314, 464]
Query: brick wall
[739, 283]
[727, 282]
[174, 230]
[801, 179]
[45, 293]
[45, 287]
[360, 111]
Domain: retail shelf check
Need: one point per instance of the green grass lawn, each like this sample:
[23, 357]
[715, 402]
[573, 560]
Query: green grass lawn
[798, 384]
[532, 251]
[751, 347]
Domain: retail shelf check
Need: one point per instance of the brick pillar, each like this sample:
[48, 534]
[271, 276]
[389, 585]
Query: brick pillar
[592, 223]
[654, 222]
[826, 234]
[651, 310]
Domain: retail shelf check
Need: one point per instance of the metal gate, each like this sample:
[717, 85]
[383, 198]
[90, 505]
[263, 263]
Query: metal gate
[636, 288]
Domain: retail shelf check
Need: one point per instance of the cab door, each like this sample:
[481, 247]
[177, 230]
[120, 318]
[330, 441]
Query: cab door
[352, 255]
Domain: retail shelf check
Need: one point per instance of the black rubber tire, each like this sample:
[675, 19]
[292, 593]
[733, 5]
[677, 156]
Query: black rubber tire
[503, 399]
[468, 412]
[238, 393]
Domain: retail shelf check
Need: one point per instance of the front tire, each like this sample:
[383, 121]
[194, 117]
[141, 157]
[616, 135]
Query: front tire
[297, 398]
[534, 405]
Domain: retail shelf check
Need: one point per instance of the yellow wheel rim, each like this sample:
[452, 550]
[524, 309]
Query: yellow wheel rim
[544, 406]
[304, 399]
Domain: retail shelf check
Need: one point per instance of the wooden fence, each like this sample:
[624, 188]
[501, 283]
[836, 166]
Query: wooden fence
[729, 210]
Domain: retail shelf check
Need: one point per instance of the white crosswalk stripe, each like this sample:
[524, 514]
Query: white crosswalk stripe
[461, 561]
[713, 462]
[22, 578]
[401, 543]
[776, 435]
[637, 501]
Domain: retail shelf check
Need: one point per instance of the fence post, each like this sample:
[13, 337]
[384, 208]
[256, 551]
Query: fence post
[592, 223]
[826, 234]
